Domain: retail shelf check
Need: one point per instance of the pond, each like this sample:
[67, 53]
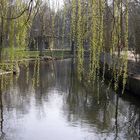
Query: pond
[59, 107]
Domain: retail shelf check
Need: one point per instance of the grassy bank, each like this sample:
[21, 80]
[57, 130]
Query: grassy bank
[19, 54]
[9, 57]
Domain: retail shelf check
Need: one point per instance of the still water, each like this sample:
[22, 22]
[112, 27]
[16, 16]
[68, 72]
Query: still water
[58, 107]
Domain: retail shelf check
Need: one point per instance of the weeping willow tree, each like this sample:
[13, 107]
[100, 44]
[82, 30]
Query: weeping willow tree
[73, 27]
[80, 49]
[16, 19]
[118, 38]
[97, 37]
[88, 24]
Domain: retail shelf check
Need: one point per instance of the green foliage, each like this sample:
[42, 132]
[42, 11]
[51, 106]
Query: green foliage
[118, 37]
[80, 49]
[88, 26]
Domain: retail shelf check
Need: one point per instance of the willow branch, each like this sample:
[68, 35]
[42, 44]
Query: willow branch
[18, 16]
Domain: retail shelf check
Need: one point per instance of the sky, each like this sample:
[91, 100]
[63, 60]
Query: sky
[56, 3]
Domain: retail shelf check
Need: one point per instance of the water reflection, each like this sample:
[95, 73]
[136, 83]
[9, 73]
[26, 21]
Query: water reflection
[59, 107]
[2, 134]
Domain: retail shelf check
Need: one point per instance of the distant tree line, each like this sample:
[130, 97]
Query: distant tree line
[21, 20]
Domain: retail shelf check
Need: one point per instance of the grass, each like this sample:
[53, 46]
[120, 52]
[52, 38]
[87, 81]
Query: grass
[18, 54]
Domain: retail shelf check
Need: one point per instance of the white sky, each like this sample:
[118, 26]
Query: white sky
[55, 4]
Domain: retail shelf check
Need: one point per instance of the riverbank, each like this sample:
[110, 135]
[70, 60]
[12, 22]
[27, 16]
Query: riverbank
[133, 80]
[46, 55]
[2, 72]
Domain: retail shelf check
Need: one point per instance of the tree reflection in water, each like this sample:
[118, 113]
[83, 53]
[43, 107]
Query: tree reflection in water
[96, 108]
[1, 116]
[101, 108]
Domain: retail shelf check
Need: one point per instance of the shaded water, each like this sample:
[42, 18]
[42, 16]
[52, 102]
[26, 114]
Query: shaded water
[62, 108]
